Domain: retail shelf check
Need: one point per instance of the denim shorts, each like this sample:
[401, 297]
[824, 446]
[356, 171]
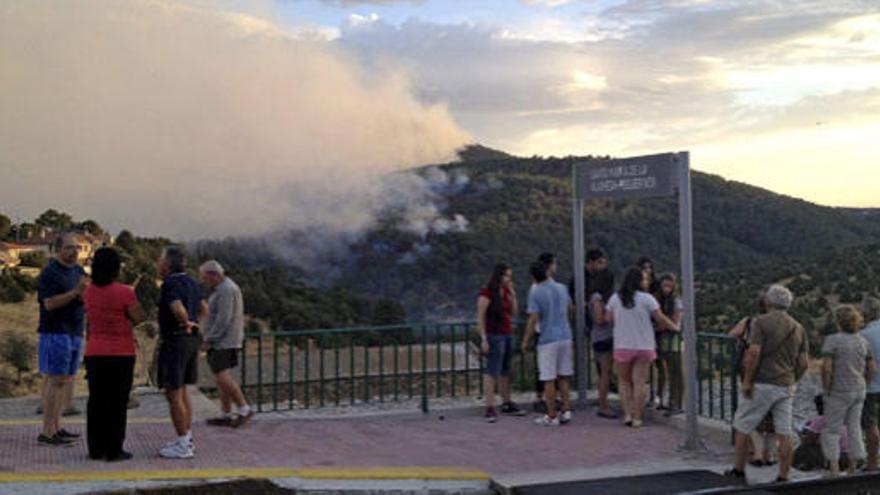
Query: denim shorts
[60, 354]
[500, 354]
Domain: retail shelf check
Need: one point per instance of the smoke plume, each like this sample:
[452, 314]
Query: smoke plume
[182, 120]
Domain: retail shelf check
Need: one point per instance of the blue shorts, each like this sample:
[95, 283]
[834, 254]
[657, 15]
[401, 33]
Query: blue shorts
[60, 353]
[500, 354]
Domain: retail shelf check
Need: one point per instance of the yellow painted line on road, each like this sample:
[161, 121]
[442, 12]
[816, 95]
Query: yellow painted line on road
[383, 473]
[80, 421]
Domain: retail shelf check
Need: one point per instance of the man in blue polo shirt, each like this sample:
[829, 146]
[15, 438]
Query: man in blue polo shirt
[549, 304]
[59, 294]
[181, 305]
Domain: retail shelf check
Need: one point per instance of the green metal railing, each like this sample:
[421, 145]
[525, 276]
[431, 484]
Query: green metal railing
[422, 361]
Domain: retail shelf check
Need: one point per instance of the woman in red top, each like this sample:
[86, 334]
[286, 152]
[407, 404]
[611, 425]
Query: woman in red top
[111, 309]
[495, 309]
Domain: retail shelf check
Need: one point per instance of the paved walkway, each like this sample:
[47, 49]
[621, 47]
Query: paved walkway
[455, 444]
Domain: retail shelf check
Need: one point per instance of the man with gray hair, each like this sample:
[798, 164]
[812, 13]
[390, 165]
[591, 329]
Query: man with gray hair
[222, 337]
[871, 410]
[775, 361]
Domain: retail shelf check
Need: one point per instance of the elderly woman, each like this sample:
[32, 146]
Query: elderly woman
[111, 308]
[846, 367]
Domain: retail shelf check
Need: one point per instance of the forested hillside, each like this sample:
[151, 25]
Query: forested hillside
[519, 207]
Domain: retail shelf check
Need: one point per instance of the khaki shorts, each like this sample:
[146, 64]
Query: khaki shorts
[773, 399]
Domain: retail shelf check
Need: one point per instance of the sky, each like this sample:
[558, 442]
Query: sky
[783, 94]
[194, 118]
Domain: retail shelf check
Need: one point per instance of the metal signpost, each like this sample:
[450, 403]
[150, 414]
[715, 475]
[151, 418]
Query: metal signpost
[639, 177]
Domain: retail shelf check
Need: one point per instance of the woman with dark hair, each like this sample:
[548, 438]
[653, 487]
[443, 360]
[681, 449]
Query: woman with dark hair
[669, 365]
[647, 265]
[112, 309]
[630, 311]
[600, 291]
[496, 306]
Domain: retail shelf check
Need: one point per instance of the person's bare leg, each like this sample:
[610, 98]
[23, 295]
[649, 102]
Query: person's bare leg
[68, 394]
[53, 404]
[564, 393]
[225, 401]
[504, 388]
[187, 408]
[771, 448]
[178, 410]
[662, 381]
[640, 372]
[785, 455]
[873, 444]
[489, 387]
[742, 451]
[550, 397]
[43, 394]
[625, 386]
[758, 446]
[233, 392]
[604, 381]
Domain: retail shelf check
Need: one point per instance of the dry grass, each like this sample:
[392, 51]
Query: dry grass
[21, 319]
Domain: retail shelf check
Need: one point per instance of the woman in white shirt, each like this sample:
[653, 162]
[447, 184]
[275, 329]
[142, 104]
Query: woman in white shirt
[630, 311]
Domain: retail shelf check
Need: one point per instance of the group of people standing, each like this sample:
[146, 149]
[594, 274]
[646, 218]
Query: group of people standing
[629, 328]
[775, 357]
[94, 316]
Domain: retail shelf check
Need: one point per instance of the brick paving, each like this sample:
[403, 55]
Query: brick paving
[461, 439]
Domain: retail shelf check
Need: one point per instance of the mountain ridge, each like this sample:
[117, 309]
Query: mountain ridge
[528, 211]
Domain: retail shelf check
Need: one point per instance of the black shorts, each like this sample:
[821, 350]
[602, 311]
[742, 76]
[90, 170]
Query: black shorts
[178, 362]
[222, 359]
[603, 346]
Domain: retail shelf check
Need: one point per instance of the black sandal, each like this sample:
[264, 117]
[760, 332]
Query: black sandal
[758, 463]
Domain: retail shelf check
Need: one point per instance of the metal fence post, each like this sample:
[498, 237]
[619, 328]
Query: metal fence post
[424, 369]
[580, 291]
[685, 211]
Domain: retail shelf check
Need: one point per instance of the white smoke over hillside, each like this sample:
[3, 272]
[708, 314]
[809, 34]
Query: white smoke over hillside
[176, 119]
[413, 203]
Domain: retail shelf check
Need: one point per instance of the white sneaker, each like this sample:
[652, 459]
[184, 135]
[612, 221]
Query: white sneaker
[176, 450]
[565, 417]
[192, 446]
[547, 421]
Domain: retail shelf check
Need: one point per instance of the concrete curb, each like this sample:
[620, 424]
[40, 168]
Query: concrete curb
[439, 480]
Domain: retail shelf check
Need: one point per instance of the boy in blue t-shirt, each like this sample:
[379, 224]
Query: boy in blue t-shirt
[550, 304]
